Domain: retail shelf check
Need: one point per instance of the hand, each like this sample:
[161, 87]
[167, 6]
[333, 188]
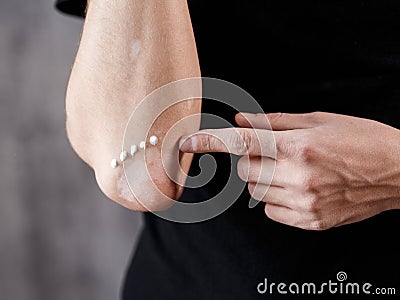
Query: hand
[326, 170]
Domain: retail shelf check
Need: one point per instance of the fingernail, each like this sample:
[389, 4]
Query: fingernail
[185, 144]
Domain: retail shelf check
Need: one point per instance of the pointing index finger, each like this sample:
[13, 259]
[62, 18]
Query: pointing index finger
[238, 141]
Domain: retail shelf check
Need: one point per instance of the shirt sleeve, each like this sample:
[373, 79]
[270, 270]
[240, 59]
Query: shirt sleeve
[72, 7]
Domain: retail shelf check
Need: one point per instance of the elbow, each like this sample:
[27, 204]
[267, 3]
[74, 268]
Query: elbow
[96, 134]
[132, 191]
[141, 196]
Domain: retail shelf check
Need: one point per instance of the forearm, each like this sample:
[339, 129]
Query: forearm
[128, 49]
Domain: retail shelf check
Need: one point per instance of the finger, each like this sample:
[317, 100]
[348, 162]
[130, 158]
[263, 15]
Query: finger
[257, 169]
[239, 141]
[283, 173]
[290, 217]
[249, 120]
[271, 194]
[277, 121]
[276, 195]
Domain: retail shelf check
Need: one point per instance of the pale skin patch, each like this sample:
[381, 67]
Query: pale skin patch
[135, 184]
[124, 191]
[135, 170]
[135, 49]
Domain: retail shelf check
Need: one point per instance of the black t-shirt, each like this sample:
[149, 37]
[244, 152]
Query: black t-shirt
[292, 56]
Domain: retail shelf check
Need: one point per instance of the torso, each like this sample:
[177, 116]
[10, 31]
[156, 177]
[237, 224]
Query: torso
[292, 56]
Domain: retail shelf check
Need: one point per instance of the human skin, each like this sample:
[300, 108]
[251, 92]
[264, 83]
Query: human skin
[326, 170]
[129, 49]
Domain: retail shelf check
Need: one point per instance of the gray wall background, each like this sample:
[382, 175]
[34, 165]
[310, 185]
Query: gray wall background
[60, 238]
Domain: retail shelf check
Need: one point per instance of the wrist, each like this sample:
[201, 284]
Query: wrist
[396, 201]
[396, 204]
[390, 168]
[397, 155]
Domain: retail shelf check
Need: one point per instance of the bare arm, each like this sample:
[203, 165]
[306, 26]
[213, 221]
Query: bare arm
[128, 49]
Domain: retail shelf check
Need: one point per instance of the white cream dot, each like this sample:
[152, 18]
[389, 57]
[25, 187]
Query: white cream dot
[142, 145]
[114, 163]
[133, 150]
[153, 140]
[123, 155]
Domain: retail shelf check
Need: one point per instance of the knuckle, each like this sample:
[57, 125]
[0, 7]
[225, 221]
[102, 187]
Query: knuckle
[300, 147]
[239, 142]
[311, 203]
[310, 183]
[306, 151]
[212, 142]
[283, 148]
[205, 141]
[315, 116]
[209, 141]
[243, 168]
[273, 117]
[317, 225]
[286, 148]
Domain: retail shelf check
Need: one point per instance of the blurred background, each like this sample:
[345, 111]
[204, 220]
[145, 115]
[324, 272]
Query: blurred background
[60, 238]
